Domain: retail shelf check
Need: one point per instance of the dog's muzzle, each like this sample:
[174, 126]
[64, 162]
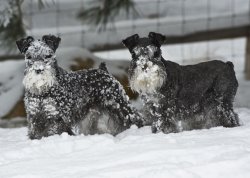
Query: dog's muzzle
[147, 78]
[38, 71]
[39, 78]
[39, 67]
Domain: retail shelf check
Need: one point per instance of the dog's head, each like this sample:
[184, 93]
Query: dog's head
[40, 59]
[146, 71]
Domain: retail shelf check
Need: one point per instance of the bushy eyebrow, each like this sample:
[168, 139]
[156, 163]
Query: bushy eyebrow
[150, 48]
[136, 50]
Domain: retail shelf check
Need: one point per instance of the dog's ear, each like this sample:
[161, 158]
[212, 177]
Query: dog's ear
[24, 43]
[52, 41]
[157, 38]
[131, 41]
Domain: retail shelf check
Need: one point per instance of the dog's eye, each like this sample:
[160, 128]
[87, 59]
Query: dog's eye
[48, 56]
[28, 57]
[156, 53]
[30, 62]
[133, 54]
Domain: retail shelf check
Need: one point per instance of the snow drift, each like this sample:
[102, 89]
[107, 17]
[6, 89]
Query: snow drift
[217, 152]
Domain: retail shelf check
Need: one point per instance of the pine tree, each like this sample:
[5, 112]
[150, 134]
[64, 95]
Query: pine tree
[103, 12]
[11, 23]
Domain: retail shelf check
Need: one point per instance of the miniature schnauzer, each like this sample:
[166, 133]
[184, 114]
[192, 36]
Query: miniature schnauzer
[179, 97]
[56, 101]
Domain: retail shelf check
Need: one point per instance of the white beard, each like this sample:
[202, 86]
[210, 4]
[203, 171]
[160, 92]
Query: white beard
[38, 83]
[147, 80]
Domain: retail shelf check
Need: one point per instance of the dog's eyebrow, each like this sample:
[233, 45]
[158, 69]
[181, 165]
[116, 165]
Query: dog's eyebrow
[136, 49]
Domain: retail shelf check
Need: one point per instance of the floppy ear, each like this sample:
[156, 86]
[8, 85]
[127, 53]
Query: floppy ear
[157, 38]
[131, 41]
[52, 41]
[24, 43]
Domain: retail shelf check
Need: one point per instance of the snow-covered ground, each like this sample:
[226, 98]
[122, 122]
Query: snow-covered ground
[217, 152]
[212, 153]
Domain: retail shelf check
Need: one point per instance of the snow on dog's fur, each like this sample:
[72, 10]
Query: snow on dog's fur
[147, 76]
[38, 83]
[58, 101]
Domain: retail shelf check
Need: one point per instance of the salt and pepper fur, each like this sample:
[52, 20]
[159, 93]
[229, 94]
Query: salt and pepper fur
[179, 97]
[147, 77]
[57, 101]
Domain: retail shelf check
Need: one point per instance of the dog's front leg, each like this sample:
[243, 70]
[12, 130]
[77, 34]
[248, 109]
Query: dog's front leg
[152, 113]
[164, 118]
[35, 126]
[39, 126]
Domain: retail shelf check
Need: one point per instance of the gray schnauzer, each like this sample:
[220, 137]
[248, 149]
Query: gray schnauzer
[56, 101]
[179, 97]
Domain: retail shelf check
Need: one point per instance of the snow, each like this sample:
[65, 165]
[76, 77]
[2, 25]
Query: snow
[11, 90]
[66, 54]
[216, 152]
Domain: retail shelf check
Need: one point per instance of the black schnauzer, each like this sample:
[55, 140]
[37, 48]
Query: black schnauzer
[56, 101]
[179, 97]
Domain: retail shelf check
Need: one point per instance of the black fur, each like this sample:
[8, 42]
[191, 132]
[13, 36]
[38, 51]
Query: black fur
[190, 97]
[24, 43]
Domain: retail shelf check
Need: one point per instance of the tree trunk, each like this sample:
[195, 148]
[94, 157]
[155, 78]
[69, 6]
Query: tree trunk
[247, 60]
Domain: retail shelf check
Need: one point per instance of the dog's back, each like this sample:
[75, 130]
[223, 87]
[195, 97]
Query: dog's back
[194, 81]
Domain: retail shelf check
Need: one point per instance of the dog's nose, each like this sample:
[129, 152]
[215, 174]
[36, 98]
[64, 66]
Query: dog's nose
[145, 66]
[38, 71]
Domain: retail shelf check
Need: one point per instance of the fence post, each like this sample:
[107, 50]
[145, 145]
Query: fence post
[247, 58]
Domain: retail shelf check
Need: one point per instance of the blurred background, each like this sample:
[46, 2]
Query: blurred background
[92, 31]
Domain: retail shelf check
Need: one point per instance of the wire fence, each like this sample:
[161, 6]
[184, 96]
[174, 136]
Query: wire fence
[170, 17]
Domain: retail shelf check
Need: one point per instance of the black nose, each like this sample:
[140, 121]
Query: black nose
[145, 66]
[38, 71]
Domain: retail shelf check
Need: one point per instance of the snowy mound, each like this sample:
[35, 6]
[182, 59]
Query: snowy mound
[217, 152]
[11, 89]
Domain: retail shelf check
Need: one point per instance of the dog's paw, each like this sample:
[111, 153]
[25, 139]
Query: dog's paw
[169, 127]
[165, 127]
[167, 130]
[154, 129]
[157, 126]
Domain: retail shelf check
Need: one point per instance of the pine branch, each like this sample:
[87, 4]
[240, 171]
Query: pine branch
[105, 11]
[11, 25]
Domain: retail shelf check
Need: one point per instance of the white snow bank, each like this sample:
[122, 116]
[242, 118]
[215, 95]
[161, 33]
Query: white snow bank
[217, 152]
[11, 89]
[66, 55]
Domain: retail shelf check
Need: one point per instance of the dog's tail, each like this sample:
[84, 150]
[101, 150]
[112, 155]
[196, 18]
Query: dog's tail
[230, 64]
[102, 66]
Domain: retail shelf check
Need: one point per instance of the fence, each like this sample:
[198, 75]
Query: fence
[180, 20]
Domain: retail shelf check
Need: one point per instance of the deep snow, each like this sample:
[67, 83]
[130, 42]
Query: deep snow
[217, 152]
